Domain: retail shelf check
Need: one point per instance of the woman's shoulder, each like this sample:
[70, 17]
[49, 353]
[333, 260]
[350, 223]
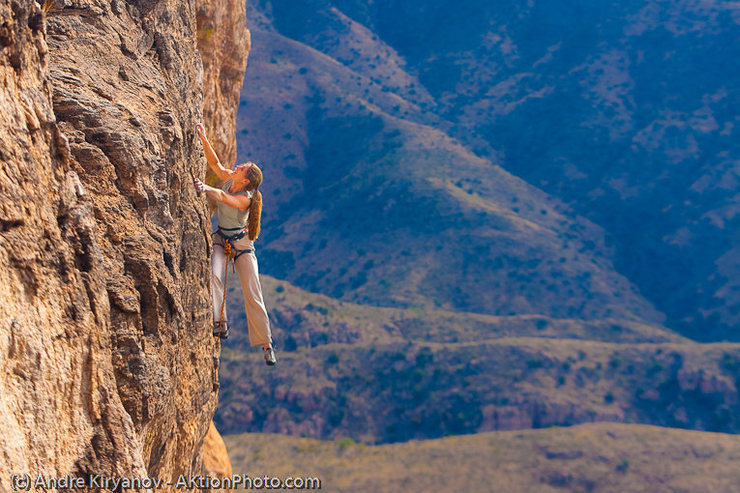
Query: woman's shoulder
[244, 192]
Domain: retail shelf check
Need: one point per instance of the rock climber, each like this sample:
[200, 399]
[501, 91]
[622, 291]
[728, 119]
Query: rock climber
[239, 209]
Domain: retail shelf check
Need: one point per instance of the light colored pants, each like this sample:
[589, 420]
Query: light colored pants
[246, 267]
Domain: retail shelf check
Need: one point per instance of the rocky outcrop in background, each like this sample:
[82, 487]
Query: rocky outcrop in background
[105, 349]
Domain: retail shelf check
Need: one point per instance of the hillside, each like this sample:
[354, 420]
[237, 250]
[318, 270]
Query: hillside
[445, 246]
[405, 390]
[369, 203]
[626, 112]
[304, 319]
[598, 458]
[386, 374]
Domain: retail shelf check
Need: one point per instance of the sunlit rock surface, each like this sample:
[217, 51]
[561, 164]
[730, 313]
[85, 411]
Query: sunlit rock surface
[107, 359]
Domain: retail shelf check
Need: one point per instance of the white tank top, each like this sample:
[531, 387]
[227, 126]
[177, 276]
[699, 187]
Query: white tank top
[231, 219]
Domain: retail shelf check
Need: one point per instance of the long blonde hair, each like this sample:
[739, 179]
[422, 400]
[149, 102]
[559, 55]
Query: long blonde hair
[255, 207]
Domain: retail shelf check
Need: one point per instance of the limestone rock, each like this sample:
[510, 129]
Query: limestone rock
[224, 46]
[215, 456]
[108, 362]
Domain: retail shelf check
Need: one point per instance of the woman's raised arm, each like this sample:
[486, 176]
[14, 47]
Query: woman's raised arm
[213, 162]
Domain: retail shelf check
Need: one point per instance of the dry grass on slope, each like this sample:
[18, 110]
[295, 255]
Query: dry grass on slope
[304, 319]
[594, 457]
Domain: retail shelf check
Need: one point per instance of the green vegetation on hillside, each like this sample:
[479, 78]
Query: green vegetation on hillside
[395, 392]
[387, 374]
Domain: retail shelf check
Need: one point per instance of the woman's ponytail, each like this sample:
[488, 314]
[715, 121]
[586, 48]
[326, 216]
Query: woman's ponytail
[254, 174]
[255, 211]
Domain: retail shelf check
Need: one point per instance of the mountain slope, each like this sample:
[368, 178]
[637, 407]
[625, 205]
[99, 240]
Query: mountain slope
[626, 112]
[368, 201]
[304, 319]
[378, 393]
[385, 374]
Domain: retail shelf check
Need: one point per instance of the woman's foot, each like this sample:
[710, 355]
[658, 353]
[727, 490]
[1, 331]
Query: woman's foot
[221, 330]
[270, 359]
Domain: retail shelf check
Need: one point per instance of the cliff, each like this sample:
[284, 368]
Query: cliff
[107, 359]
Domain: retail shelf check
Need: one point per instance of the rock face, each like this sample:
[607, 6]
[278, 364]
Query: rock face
[215, 456]
[224, 46]
[105, 347]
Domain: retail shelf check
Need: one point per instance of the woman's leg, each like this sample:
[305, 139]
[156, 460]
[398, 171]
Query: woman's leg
[254, 305]
[218, 271]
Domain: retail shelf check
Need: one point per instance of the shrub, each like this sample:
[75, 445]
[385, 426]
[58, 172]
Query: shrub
[290, 344]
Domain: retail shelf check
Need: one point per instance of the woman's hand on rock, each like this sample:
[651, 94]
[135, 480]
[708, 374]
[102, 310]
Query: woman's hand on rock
[199, 185]
[201, 130]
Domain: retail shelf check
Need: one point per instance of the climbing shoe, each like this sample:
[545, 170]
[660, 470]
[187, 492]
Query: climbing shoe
[221, 331]
[270, 359]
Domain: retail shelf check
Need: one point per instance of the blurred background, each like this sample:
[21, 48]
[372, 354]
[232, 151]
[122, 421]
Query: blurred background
[510, 224]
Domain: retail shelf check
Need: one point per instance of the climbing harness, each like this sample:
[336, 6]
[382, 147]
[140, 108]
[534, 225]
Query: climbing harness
[232, 254]
[241, 233]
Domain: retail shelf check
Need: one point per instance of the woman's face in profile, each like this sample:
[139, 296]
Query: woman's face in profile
[242, 169]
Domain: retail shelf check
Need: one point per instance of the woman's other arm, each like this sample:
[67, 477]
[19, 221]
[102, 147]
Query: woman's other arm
[241, 202]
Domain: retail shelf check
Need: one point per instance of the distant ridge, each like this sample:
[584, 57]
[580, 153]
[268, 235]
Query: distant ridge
[594, 457]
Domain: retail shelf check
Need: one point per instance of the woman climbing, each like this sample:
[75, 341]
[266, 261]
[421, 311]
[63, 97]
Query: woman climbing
[239, 210]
